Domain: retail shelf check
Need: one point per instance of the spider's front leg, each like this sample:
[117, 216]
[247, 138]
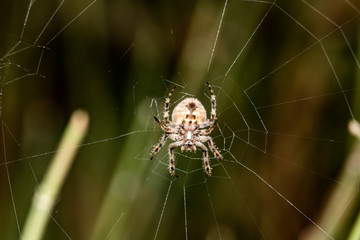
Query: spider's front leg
[213, 103]
[166, 107]
[172, 158]
[213, 121]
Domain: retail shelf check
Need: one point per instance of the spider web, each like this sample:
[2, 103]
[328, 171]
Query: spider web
[284, 79]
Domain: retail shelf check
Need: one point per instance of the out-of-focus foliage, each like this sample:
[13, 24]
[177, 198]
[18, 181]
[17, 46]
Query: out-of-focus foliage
[118, 60]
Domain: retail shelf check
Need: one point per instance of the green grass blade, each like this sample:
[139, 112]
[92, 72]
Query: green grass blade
[46, 194]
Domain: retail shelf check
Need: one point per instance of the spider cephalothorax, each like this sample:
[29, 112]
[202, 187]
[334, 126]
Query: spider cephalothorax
[186, 129]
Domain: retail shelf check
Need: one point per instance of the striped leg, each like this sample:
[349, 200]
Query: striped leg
[165, 128]
[160, 144]
[206, 158]
[172, 158]
[209, 130]
[166, 108]
[214, 149]
[213, 103]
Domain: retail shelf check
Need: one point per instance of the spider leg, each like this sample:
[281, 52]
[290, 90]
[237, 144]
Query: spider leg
[212, 122]
[212, 147]
[205, 157]
[209, 130]
[164, 127]
[213, 103]
[166, 108]
[171, 156]
[160, 144]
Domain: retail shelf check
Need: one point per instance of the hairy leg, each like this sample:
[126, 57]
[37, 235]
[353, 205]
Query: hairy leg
[205, 158]
[212, 147]
[172, 158]
[166, 107]
[160, 144]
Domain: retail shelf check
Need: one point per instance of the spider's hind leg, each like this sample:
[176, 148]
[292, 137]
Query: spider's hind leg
[207, 167]
[212, 147]
[158, 147]
[172, 158]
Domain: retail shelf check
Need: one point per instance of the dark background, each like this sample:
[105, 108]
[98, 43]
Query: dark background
[283, 110]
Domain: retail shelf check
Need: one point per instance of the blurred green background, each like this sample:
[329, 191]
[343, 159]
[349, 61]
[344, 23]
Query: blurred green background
[286, 78]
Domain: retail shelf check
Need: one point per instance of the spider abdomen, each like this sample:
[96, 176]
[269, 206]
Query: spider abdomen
[189, 111]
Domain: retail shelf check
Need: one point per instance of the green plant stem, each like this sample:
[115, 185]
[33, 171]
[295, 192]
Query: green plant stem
[355, 232]
[354, 128]
[46, 194]
[342, 196]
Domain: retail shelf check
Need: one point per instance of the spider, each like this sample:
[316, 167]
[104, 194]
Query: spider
[186, 129]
